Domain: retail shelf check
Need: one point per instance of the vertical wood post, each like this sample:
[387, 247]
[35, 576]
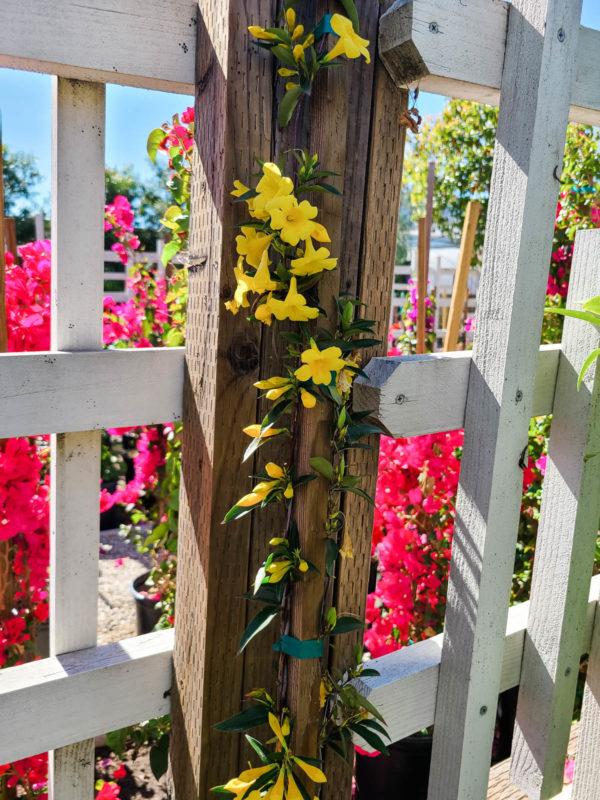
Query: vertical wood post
[536, 83]
[422, 270]
[459, 288]
[564, 552]
[76, 324]
[233, 124]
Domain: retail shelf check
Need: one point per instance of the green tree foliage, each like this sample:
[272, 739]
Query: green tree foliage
[148, 198]
[461, 141]
[21, 177]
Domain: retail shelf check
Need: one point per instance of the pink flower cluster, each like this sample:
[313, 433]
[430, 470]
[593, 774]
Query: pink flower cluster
[140, 321]
[176, 135]
[118, 217]
[30, 774]
[28, 298]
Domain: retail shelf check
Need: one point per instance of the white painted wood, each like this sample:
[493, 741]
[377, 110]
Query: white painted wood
[456, 48]
[534, 106]
[108, 41]
[65, 699]
[411, 395]
[586, 783]
[564, 551]
[405, 691]
[69, 768]
[76, 324]
[60, 392]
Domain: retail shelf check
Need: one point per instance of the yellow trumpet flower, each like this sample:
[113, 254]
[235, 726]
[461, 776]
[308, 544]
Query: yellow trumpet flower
[261, 33]
[313, 261]
[271, 187]
[252, 244]
[293, 219]
[319, 364]
[293, 306]
[349, 44]
[261, 281]
[256, 431]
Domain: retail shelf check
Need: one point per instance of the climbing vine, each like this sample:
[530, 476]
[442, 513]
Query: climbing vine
[282, 258]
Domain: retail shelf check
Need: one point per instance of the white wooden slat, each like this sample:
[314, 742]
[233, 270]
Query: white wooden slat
[564, 552]
[586, 783]
[412, 395]
[108, 41]
[65, 699]
[405, 690]
[78, 110]
[60, 392]
[456, 48]
[534, 106]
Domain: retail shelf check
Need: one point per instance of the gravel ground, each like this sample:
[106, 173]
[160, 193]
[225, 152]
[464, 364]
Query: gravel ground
[120, 563]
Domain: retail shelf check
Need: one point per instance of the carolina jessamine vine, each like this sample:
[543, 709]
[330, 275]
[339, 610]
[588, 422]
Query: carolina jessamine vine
[281, 260]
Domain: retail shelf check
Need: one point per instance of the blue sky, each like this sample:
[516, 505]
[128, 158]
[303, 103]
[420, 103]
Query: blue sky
[25, 104]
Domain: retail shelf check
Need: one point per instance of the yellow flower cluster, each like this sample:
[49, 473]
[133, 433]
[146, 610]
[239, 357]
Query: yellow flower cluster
[280, 480]
[289, 222]
[281, 771]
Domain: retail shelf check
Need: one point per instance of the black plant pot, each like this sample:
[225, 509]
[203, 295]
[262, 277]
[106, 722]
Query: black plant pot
[147, 615]
[403, 775]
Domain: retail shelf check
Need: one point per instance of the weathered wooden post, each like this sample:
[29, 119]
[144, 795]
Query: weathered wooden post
[225, 356]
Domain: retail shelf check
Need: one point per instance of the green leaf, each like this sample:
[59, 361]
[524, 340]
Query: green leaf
[155, 139]
[341, 418]
[586, 316]
[288, 104]
[368, 672]
[351, 480]
[221, 791]
[331, 617]
[259, 623]
[332, 551]
[593, 305]
[358, 431]
[235, 512]
[258, 748]
[322, 466]
[170, 251]
[362, 702]
[370, 737]
[359, 492]
[373, 724]
[249, 718]
[159, 756]
[351, 12]
[278, 410]
[117, 740]
[586, 365]
[345, 625]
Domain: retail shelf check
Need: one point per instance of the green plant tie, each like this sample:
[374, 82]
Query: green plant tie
[311, 648]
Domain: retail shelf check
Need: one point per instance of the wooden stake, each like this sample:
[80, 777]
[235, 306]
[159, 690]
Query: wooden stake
[429, 203]
[459, 289]
[422, 270]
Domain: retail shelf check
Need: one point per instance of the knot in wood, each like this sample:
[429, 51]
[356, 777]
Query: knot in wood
[243, 355]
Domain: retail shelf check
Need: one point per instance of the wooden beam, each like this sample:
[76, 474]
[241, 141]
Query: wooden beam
[222, 356]
[116, 41]
[73, 697]
[534, 104]
[404, 392]
[76, 323]
[457, 49]
[564, 550]
[405, 690]
[459, 288]
[60, 392]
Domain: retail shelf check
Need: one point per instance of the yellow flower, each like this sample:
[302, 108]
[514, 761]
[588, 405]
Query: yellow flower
[290, 18]
[257, 495]
[276, 792]
[262, 282]
[350, 43]
[298, 52]
[322, 694]
[245, 780]
[290, 85]
[287, 73]
[319, 233]
[319, 364]
[264, 313]
[309, 40]
[308, 399]
[256, 431]
[274, 471]
[270, 187]
[293, 792]
[252, 244]
[298, 31]
[293, 306]
[289, 491]
[313, 261]
[243, 287]
[292, 218]
[272, 383]
[314, 773]
[278, 570]
[275, 394]
[260, 33]
[239, 190]
[346, 376]
[276, 540]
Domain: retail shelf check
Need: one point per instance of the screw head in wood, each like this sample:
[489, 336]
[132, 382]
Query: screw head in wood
[483, 710]
[400, 398]
[567, 672]
[561, 35]
[433, 27]
[518, 396]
